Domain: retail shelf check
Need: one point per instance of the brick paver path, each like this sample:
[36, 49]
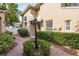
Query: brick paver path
[57, 52]
[18, 49]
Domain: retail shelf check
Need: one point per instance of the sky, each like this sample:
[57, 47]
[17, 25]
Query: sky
[21, 7]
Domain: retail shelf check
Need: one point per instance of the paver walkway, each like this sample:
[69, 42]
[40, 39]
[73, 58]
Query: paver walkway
[18, 49]
[58, 52]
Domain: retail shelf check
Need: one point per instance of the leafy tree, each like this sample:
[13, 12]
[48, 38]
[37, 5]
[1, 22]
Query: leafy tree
[12, 12]
[2, 6]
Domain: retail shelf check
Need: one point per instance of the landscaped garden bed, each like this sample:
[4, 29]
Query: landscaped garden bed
[68, 42]
[6, 42]
[43, 50]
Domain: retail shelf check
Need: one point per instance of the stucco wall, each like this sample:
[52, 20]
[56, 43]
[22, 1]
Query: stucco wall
[2, 23]
[30, 27]
[58, 14]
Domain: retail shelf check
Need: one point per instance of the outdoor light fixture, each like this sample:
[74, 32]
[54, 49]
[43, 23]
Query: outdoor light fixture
[32, 18]
[39, 19]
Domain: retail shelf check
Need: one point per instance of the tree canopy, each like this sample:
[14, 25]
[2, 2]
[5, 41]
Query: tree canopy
[12, 14]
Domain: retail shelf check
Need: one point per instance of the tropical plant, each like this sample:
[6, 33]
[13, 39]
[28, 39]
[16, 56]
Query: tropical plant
[12, 12]
[6, 42]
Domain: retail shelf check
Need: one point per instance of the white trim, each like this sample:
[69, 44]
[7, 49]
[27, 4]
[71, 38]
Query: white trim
[66, 25]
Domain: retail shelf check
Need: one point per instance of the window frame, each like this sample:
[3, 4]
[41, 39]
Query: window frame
[67, 25]
[25, 23]
[69, 4]
[25, 18]
[49, 25]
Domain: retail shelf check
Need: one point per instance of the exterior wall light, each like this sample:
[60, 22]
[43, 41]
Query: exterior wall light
[39, 19]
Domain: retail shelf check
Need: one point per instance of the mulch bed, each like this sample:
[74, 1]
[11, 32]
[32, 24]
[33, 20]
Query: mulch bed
[67, 49]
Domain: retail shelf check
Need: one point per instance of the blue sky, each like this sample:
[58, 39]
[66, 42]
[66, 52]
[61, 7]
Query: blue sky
[22, 6]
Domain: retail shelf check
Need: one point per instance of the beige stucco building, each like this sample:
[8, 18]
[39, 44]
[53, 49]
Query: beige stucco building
[59, 17]
[2, 21]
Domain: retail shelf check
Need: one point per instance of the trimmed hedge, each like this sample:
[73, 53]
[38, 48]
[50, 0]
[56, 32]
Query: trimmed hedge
[23, 32]
[42, 51]
[45, 35]
[60, 38]
[6, 42]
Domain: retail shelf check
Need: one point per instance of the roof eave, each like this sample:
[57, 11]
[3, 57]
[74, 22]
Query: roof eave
[29, 6]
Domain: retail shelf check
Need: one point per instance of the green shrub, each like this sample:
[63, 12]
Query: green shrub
[23, 32]
[60, 38]
[45, 35]
[6, 42]
[42, 51]
[10, 33]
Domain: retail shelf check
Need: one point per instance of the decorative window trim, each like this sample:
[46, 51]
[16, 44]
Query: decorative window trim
[49, 25]
[70, 5]
[25, 18]
[67, 25]
[25, 23]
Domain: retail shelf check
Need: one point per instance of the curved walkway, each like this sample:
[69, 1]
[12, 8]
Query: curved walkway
[57, 52]
[18, 49]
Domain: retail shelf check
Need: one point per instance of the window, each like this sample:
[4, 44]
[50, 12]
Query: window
[25, 23]
[70, 5]
[49, 25]
[25, 18]
[67, 23]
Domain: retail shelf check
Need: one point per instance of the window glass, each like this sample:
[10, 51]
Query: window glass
[70, 4]
[25, 18]
[49, 25]
[67, 23]
[25, 23]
